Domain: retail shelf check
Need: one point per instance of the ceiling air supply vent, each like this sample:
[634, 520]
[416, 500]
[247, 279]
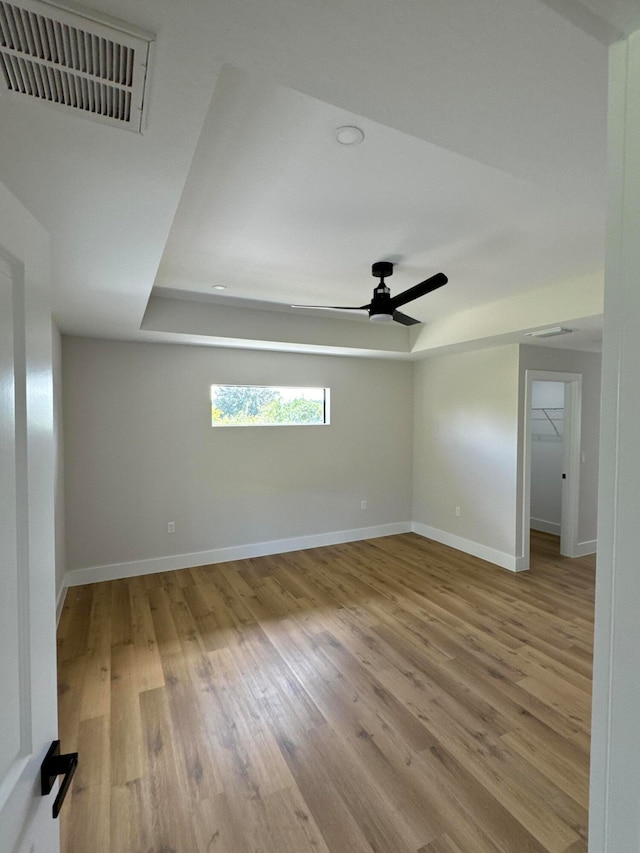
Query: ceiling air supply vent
[74, 61]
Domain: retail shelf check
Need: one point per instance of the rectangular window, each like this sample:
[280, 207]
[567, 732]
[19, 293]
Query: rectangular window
[266, 405]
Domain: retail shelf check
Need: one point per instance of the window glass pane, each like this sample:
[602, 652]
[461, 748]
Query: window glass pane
[265, 405]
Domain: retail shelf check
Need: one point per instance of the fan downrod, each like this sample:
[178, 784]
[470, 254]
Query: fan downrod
[382, 269]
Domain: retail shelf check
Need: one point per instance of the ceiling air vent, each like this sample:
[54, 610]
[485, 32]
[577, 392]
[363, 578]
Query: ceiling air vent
[69, 59]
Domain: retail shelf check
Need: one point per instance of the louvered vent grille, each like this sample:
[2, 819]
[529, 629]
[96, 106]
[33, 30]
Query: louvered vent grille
[45, 53]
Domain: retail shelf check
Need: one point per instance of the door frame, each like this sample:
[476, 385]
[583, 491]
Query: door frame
[571, 462]
[26, 823]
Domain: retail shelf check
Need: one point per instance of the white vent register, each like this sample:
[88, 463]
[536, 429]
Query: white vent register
[74, 61]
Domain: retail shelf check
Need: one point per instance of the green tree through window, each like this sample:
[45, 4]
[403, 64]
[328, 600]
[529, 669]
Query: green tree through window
[246, 405]
[248, 400]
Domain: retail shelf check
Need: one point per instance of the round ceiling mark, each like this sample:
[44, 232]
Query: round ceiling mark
[219, 286]
[349, 135]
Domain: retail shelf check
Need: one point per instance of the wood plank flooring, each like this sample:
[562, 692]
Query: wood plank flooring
[392, 695]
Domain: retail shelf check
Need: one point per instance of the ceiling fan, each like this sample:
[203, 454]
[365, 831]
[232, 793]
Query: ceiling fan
[383, 307]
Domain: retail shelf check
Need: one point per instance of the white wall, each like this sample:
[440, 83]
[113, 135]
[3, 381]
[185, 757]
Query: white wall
[465, 450]
[589, 364]
[548, 395]
[468, 448]
[546, 485]
[547, 449]
[140, 451]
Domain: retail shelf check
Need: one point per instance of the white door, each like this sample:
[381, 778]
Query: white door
[28, 706]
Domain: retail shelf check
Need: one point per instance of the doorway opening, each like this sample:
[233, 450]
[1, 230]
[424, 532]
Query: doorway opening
[551, 475]
[546, 418]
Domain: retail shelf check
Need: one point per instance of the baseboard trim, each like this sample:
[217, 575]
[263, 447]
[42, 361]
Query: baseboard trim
[62, 594]
[545, 526]
[585, 548]
[468, 546]
[94, 574]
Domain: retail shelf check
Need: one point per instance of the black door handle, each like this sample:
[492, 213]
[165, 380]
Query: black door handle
[55, 765]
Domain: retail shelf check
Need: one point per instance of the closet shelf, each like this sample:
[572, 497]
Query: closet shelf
[547, 423]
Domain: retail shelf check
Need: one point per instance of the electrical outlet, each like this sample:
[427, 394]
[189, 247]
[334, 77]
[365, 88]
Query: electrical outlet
[457, 512]
[171, 527]
[363, 504]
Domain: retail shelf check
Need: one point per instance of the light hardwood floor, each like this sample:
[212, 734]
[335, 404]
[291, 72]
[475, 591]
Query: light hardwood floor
[392, 695]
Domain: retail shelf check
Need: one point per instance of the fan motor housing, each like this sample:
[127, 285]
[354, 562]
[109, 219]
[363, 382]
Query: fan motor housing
[382, 269]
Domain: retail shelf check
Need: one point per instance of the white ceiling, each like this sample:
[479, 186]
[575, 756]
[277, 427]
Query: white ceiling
[276, 209]
[606, 20]
[484, 156]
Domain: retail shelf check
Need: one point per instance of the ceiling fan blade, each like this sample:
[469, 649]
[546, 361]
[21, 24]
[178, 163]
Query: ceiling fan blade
[402, 318]
[334, 307]
[418, 290]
